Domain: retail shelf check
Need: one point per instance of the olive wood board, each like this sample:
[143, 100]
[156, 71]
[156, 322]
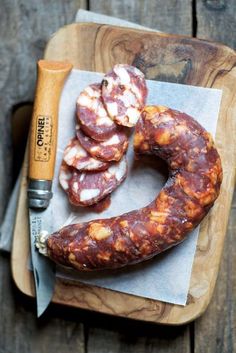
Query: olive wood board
[163, 57]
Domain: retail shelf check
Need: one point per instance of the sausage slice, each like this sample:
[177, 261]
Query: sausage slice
[124, 94]
[109, 150]
[87, 188]
[92, 116]
[76, 156]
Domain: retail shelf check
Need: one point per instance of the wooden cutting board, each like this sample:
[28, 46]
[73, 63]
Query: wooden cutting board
[161, 57]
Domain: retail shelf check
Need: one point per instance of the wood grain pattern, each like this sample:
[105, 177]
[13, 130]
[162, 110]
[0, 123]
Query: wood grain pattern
[135, 338]
[114, 335]
[23, 36]
[170, 58]
[25, 27]
[168, 16]
[216, 20]
[20, 127]
[18, 329]
[219, 319]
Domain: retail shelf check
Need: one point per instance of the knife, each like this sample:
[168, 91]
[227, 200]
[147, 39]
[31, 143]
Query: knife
[51, 76]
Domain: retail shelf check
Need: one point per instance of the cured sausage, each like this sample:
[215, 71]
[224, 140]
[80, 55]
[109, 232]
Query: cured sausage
[192, 187]
[101, 205]
[124, 94]
[109, 150]
[87, 188]
[92, 116]
[64, 177]
[76, 156]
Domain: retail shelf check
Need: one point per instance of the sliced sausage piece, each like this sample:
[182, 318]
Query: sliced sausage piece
[109, 150]
[76, 156]
[87, 188]
[65, 175]
[124, 94]
[101, 205]
[92, 116]
[193, 186]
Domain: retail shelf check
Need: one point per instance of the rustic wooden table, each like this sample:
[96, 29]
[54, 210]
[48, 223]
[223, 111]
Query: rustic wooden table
[25, 27]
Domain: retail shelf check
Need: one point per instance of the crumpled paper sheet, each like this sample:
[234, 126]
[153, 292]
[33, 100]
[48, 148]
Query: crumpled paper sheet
[167, 276]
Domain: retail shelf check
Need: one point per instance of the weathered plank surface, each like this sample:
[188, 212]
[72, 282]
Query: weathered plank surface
[170, 17]
[216, 20]
[139, 338]
[167, 16]
[25, 27]
[205, 267]
[211, 25]
[215, 331]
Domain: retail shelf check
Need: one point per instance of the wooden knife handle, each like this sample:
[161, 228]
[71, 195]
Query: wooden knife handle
[44, 124]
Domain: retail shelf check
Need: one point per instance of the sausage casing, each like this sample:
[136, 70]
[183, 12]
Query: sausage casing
[195, 176]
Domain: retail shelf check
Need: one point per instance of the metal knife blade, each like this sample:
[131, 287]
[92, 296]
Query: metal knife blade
[43, 268]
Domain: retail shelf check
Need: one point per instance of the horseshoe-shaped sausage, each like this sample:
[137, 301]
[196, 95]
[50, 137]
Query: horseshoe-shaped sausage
[192, 187]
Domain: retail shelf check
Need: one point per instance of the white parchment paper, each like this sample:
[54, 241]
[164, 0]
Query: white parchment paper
[167, 276]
